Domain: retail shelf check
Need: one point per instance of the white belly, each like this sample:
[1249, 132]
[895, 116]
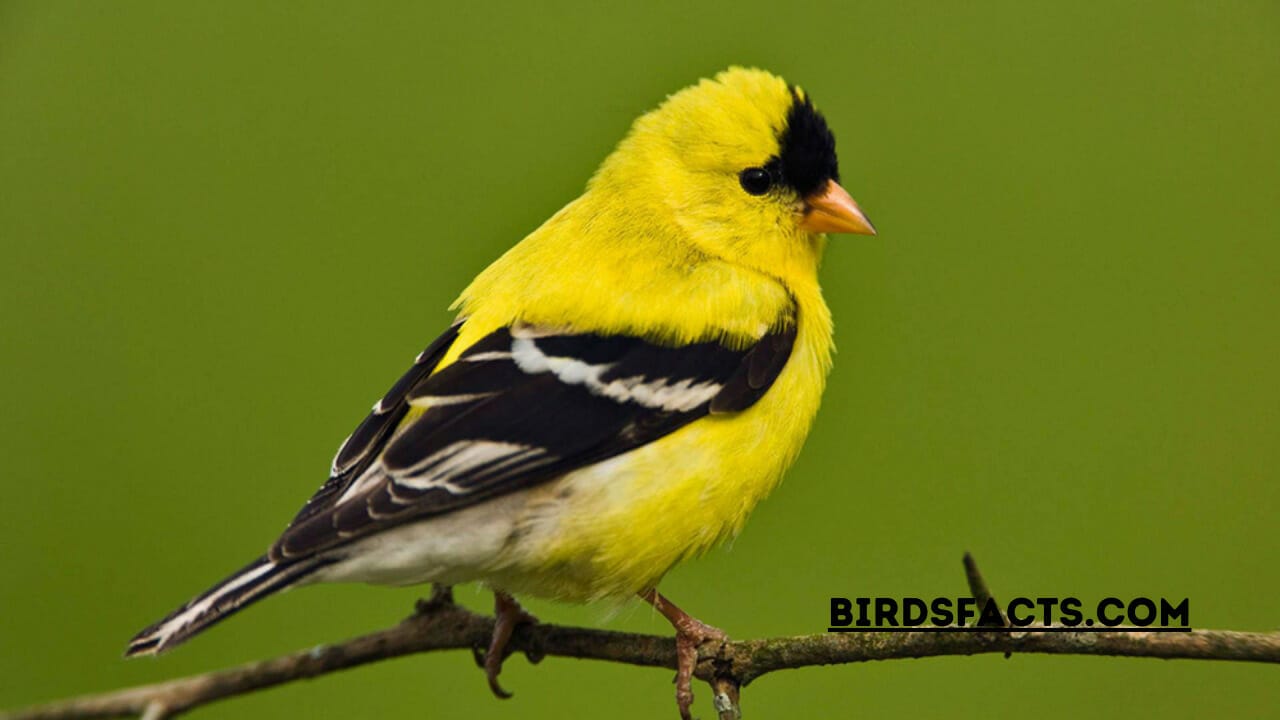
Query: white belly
[449, 549]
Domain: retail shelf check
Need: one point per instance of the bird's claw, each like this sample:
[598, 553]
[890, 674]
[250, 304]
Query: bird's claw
[507, 615]
[691, 634]
[493, 666]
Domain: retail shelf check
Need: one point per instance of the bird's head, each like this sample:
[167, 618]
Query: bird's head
[746, 167]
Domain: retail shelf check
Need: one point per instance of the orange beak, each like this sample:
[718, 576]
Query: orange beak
[831, 210]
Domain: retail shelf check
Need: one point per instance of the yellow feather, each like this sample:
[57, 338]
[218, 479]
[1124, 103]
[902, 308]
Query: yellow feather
[693, 230]
[665, 244]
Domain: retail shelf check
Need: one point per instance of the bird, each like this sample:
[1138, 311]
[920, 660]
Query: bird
[618, 390]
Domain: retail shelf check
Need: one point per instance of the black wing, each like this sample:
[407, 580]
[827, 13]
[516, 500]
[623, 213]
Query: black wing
[361, 448]
[520, 407]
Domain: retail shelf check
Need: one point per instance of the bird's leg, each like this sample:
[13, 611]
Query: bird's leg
[507, 615]
[690, 634]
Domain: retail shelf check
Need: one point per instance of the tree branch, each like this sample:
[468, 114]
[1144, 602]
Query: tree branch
[439, 624]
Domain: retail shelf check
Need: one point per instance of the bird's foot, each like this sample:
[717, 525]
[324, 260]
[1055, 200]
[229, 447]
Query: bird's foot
[689, 637]
[507, 615]
[691, 633]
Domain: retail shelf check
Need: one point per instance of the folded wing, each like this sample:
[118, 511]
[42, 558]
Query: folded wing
[520, 407]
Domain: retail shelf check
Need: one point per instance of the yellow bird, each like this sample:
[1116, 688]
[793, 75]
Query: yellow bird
[617, 393]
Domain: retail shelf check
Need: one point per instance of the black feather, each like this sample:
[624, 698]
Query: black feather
[361, 447]
[510, 428]
[756, 373]
[232, 595]
[807, 159]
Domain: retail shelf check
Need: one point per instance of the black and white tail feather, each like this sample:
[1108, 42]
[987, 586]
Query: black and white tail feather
[251, 583]
[267, 575]
[521, 406]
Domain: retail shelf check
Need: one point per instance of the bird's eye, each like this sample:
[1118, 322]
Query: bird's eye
[755, 181]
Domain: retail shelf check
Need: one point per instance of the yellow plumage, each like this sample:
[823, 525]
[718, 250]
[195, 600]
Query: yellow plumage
[659, 247]
[620, 390]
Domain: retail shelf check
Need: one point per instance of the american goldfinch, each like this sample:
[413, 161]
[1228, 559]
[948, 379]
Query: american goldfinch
[617, 393]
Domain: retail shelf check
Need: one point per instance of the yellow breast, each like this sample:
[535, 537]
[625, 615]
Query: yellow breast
[616, 527]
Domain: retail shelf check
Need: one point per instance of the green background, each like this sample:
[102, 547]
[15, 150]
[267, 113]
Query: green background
[227, 228]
